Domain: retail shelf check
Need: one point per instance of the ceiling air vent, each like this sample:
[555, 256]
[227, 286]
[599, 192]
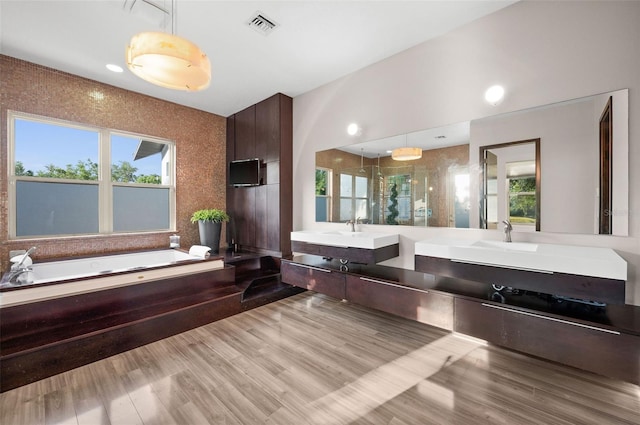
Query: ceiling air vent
[262, 24]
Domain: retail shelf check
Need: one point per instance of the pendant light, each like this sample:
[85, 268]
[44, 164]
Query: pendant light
[379, 172]
[362, 170]
[167, 60]
[406, 153]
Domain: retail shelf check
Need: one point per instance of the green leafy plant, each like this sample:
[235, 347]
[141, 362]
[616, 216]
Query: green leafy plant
[213, 214]
[393, 207]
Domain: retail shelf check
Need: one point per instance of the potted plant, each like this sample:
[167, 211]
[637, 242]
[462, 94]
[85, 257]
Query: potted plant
[210, 225]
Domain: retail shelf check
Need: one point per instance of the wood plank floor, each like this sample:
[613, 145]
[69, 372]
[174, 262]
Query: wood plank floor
[310, 359]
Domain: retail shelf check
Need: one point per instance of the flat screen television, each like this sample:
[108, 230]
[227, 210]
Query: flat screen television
[244, 172]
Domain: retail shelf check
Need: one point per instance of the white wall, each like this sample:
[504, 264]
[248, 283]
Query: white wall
[542, 52]
[568, 156]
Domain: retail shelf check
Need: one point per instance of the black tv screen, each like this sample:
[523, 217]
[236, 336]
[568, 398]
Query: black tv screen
[244, 172]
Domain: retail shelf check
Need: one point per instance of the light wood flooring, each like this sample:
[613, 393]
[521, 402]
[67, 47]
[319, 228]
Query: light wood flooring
[310, 359]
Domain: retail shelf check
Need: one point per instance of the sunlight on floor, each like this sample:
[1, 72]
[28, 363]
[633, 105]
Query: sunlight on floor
[390, 380]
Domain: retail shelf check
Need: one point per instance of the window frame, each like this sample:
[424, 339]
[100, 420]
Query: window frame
[104, 183]
[353, 199]
[329, 191]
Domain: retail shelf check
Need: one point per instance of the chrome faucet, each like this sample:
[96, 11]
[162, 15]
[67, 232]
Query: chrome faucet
[507, 230]
[352, 224]
[15, 274]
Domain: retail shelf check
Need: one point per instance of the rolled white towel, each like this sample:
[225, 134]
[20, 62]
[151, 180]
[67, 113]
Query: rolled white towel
[199, 251]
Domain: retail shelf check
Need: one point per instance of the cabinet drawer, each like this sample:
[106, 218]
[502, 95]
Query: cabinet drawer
[589, 347]
[313, 278]
[415, 304]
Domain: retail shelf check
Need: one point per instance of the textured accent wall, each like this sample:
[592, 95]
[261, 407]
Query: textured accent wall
[200, 139]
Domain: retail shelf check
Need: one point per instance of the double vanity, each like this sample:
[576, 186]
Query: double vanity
[561, 303]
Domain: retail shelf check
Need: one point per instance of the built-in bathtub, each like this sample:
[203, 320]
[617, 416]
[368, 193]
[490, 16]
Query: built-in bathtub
[53, 279]
[86, 309]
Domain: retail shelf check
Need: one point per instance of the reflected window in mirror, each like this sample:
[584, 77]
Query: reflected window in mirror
[521, 183]
[459, 186]
[323, 194]
[510, 187]
[354, 197]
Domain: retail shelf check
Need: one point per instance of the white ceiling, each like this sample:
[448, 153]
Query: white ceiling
[316, 41]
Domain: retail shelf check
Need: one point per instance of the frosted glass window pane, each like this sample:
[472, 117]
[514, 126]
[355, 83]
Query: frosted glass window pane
[361, 209]
[361, 187]
[346, 209]
[346, 185]
[492, 209]
[404, 208]
[56, 208]
[140, 208]
[322, 208]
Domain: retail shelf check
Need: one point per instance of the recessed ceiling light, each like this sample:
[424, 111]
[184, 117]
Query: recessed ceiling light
[114, 68]
[494, 95]
[354, 129]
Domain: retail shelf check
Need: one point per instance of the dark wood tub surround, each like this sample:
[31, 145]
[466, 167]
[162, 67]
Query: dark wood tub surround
[43, 338]
[603, 340]
[565, 284]
[356, 255]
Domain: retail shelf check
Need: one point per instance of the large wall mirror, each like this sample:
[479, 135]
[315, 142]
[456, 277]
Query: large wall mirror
[555, 168]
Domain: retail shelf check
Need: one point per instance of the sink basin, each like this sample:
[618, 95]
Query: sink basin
[576, 260]
[507, 246]
[367, 240]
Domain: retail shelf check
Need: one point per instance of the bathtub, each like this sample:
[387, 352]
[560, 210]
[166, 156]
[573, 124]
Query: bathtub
[70, 277]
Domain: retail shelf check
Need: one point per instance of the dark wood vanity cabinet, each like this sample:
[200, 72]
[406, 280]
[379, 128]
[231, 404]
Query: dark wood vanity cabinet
[588, 346]
[569, 285]
[601, 340]
[323, 280]
[416, 304]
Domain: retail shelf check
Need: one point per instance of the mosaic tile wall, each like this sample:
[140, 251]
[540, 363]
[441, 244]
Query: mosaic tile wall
[200, 139]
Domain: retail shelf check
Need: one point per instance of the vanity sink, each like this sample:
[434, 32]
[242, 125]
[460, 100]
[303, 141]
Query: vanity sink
[577, 260]
[507, 246]
[368, 240]
[582, 272]
[363, 247]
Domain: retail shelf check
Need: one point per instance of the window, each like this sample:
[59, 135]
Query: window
[69, 179]
[522, 200]
[353, 197]
[323, 194]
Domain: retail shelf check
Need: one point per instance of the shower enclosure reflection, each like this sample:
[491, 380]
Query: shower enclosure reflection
[431, 191]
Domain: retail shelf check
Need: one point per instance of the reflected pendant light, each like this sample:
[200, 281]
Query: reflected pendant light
[168, 61]
[362, 170]
[406, 153]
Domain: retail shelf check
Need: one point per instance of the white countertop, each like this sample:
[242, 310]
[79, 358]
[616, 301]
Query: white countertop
[577, 260]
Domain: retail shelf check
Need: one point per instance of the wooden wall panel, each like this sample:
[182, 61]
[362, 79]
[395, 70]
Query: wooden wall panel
[245, 142]
[262, 217]
[268, 129]
[262, 223]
